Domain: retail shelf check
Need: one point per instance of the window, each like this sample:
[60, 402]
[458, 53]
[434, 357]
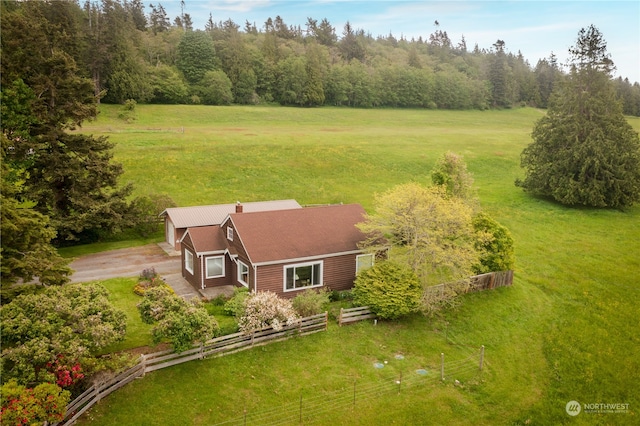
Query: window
[243, 273]
[363, 261]
[215, 267]
[229, 233]
[188, 261]
[302, 276]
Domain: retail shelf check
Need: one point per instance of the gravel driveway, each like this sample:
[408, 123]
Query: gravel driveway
[130, 262]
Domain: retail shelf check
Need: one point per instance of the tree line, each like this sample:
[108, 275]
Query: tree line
[132, 53]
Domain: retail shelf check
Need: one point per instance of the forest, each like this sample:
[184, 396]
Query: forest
[130, 52]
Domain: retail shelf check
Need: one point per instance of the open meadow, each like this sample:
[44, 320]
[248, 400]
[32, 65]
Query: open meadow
[566, 330]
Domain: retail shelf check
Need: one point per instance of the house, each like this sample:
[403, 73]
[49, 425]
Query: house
[283, 251]
[178, 219]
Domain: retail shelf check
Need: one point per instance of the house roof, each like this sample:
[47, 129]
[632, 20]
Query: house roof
[271, 236]
[186, 217]
[207, 239]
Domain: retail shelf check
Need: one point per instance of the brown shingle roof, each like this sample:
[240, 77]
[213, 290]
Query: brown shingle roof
[207, 239]
[299, 233]
[186, 217]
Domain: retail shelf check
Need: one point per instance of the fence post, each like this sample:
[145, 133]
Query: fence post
[300, 407]
[441, 366]
[481, 356]
[340, 317]
[144, 363]
[326, 320]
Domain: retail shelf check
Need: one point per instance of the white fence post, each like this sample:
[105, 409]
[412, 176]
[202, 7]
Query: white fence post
[441, 366]
[481, 356]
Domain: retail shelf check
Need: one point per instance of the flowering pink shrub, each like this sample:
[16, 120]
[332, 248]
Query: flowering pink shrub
[266, 309]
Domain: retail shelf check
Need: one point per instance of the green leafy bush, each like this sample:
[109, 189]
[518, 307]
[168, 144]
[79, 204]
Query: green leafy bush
[235, 306]
[183, 323]
[494, 243]
[391, 290]
[310, 302]
[73, 321]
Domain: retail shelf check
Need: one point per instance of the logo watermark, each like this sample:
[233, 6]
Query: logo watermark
[573, 408]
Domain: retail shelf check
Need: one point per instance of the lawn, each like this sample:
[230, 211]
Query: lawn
[566, 330]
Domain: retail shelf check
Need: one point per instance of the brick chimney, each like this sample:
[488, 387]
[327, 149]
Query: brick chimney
[238, 207]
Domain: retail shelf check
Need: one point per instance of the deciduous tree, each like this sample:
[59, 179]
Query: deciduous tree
[427, 229]
[451, 173]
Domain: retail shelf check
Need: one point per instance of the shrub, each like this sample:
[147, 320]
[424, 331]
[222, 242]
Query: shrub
[310, 302]
[266, 309]
[335, 295]
[391, 290]
[494, 243]
[75, 321]
[148, 274]
[235, 305]
[145, 210]
[46, 403]
[183, 323]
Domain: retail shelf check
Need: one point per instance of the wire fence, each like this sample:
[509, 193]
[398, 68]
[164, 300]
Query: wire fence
[313, 409]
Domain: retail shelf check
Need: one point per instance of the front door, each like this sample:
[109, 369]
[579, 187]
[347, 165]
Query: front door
[171, 234]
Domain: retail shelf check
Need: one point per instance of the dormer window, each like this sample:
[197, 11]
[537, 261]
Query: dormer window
[229, 233]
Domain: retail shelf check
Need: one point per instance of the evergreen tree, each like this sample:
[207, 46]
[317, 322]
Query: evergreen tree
[500, 77]
[584, 152]
[196, 55]
[68, 177]
[26, 252]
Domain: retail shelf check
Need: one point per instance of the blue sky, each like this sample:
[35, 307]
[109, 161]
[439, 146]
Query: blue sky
[536, 28]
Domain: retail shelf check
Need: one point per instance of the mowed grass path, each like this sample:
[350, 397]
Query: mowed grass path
[567, 329]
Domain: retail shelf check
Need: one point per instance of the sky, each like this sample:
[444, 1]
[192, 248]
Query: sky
[535, 28]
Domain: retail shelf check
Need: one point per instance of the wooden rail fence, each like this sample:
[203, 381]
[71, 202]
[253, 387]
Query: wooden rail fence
[223, 345]
[491, 280]
[480, 282]
[350, 315]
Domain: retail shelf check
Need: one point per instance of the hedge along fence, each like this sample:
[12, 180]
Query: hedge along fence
[223, 345]
[476, 283]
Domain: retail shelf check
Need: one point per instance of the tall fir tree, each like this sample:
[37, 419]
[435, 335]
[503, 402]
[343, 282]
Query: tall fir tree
[584, 152]
[68, 177]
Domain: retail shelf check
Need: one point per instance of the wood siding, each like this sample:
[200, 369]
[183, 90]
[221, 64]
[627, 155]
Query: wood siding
[338, 273]
[200, 268]
[193, 279]
[229, 273]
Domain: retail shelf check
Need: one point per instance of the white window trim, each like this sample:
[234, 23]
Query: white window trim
[188, 261]
[373, 260]
[206, 267]
[240, 264]
[300, 265]
[229, 233]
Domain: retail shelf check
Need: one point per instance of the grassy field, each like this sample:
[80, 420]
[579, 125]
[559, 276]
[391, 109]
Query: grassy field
[567, 329]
